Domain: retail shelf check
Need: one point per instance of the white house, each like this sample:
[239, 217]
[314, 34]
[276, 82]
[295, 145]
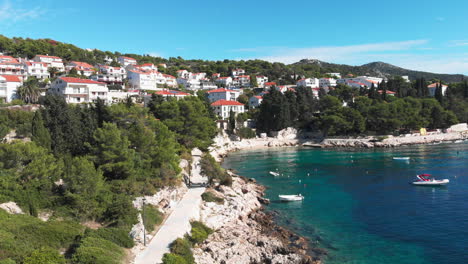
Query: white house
[36, 69]
[147, 67]
[109, 74]
[125, 61]
[76, 90]
[8, 86]
[241, 81]
[224, 81]
[223, 108]
[327, 82]
[52, 61]
[261, 80]
[238, 72]
[83, 68]
[222, 94]
[255, 101]
[184, 74]
[308, 83]
[432, 89]
[12, 68]
[171, 81]
[334, 74]
[141, 80]
[215, 76]
[362, 81]
[5, 58]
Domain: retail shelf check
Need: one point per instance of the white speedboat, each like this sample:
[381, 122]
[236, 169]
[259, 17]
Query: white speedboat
[401, 158]
[274, 173]
[294, 197]
[423, 180]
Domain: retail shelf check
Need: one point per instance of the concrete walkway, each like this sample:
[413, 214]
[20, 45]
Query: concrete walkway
[175, 226]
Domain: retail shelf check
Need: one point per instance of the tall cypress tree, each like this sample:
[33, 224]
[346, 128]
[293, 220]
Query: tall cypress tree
[40, 134]
[438, 93]
[383, 87]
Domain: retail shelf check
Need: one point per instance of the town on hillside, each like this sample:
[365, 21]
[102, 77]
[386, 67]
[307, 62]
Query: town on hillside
[80, 82]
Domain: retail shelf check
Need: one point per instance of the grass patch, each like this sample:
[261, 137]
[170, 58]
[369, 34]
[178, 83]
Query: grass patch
[94, 250]
[211, 197]
[152, 217]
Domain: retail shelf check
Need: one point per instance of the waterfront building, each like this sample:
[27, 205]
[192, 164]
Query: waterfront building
[223, 108]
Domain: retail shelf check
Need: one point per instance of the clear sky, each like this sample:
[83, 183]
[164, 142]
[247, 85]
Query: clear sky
[425, 35]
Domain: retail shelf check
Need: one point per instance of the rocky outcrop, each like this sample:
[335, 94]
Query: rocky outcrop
[391, 141]
[245, 233]
[11, 208]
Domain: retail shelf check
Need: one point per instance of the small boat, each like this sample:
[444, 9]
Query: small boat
[423, 180]
[401, 158]
[274, 173]
[294, 197]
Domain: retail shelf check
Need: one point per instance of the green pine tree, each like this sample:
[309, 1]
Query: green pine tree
[40, 134]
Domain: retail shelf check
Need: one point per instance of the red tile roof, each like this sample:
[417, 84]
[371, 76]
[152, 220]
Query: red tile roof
[258, 97]
[434, 85]
[270, 83]
[79, 80]
[11, 78]
[225, 102]
[221, 90]
[128, 58]
[388, 92]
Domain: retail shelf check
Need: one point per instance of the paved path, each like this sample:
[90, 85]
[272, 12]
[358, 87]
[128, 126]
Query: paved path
[175, 226]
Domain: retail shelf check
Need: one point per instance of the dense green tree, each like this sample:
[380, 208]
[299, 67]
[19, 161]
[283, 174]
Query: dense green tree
[111, 152]
[40, 134]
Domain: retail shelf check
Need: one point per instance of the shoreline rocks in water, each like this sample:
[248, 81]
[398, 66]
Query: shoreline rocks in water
[290, 137]
[245, 233]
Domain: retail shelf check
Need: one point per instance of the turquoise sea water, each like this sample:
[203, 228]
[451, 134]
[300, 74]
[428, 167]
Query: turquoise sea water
[359, 204]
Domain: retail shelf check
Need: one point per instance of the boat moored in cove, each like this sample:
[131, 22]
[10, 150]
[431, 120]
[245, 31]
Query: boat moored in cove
[290, 198]
[401, 158]
[274, 173]
[423, 180]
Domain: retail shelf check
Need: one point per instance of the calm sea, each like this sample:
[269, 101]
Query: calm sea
[360, 206]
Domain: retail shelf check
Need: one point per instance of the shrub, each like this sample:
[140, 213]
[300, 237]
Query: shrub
[211, 197]
[152, 217]
[170, 258]
[117, 235]
[97, 251]
[182, 247]
[200, 232]
[45, 255]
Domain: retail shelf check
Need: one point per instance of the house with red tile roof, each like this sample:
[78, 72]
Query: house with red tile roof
[5, 58]
[255, 101]
[172, 93]
[125, 61]
[8, 87]
[308, 83]
[261, 80]
[52, 61]
[77, 90]
[222, 94]
[36, 69]
[82, 68]
[432, 88]
[387, 92]
[223, 108]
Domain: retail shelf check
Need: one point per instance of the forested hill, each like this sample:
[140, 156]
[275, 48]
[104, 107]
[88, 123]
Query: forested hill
[377, 69]
[277, 72]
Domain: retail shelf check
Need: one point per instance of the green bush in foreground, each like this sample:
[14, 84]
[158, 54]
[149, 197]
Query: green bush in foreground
[183, 248]
[97, 251]
[200, 232]
[152, 217]
[117, 235]
[170, 258]
[210, 197]
[45, 255]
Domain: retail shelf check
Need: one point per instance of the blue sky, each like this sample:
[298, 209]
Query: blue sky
[417, 34]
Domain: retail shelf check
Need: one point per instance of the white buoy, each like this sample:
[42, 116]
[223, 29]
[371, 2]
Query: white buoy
[308, 174]
[300, 181]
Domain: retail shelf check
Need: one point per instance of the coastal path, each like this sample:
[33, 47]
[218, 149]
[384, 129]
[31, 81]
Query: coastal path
[175, 226]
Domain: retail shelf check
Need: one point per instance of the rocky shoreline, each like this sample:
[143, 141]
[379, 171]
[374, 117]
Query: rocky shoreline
[245, 233]
[290, 137]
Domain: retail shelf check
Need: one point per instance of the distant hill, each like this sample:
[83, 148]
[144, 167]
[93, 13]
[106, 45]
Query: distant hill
[377, 69]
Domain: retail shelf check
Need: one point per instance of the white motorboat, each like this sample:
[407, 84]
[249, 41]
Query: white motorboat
[290, 198]
[423, 180]
[401, 158]
[274, 173]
